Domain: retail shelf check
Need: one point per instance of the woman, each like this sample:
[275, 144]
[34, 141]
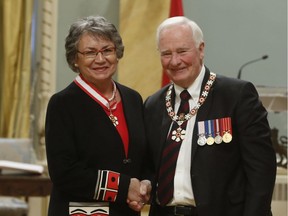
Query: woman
[95, 138]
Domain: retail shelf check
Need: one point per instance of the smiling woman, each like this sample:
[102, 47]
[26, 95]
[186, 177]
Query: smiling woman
[95, 138]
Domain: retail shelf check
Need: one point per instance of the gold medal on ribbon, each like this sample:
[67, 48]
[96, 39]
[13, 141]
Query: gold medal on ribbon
[209, 125]
[179, 119]
[227, 130]
[227, 137]
[210, 140]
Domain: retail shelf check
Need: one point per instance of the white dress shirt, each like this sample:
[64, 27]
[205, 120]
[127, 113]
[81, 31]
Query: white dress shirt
[183, 192]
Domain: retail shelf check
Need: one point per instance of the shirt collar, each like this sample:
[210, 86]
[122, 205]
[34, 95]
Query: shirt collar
[194, 89]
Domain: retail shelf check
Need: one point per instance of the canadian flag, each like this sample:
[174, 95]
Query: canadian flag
[176, 9]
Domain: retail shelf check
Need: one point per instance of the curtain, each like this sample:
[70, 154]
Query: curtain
[140, 67]
[15, 67]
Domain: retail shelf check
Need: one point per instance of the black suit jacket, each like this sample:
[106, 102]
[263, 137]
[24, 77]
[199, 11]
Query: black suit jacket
[81, 139]
[229, 179]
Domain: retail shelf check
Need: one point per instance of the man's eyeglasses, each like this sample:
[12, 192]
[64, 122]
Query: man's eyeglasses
[92, 54]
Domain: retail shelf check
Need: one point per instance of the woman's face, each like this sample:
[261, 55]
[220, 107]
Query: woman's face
[96, 59]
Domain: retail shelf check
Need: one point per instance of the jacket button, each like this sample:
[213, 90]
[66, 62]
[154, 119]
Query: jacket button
[126, 161]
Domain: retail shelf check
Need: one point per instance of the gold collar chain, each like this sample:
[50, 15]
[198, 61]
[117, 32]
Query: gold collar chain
[193, 111]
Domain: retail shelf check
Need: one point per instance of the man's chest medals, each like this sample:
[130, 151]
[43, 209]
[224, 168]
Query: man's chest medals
[179, 133]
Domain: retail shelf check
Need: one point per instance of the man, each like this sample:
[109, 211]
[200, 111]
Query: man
[225, 163]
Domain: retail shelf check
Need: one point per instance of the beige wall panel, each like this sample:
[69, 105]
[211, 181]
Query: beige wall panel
[140, 67]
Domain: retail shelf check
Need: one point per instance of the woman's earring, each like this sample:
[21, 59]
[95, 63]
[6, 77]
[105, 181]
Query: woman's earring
[76, 65]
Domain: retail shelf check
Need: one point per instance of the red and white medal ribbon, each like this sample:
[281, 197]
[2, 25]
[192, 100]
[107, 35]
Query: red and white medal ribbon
[218, 137]
[227, 130]
[98, 97]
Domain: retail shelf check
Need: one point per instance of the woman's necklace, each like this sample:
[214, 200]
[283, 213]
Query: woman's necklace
[182, 118]
[113, 93]
[113, 118]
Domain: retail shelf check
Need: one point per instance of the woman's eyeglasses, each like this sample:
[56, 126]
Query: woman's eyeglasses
[93, 54]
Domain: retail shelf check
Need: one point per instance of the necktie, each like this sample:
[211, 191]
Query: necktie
[170, 154]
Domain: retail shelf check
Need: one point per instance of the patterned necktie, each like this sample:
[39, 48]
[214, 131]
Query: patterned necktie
[170, 154]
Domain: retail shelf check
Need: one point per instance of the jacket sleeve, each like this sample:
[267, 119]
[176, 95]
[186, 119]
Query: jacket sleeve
[259, 159]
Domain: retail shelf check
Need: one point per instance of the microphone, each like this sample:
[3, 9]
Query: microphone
[249, 62]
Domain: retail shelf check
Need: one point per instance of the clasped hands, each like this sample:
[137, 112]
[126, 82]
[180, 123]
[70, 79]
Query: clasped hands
[138, 194]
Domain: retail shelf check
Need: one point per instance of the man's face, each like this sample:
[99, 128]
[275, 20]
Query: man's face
[180, 58]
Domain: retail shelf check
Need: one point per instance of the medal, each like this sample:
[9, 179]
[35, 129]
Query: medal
[201, 140]
[179, 119]
[226, 127]
[210, 140]
[227, 137]
[209, 126]
[178, 134]
[201, 133]
[218, 139]
[114, 119]
[109, 104]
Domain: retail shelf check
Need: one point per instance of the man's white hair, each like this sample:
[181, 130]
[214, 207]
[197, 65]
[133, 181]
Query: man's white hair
[197, 33]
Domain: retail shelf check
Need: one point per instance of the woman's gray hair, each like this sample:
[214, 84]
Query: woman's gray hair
[97, 26]
[197, 33]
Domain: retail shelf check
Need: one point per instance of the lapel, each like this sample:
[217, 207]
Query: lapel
[165, 125]
[203, 112]
[166, 120]
[130, 120]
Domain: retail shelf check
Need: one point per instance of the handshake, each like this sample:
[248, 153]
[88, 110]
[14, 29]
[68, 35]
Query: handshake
[138, 193]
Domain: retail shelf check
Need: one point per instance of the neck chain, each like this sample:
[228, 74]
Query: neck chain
[113, 118]
[114, 93]
[180, 119]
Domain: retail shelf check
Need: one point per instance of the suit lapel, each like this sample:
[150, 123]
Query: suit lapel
[130, 120]
[165, 122]
[165, 125]
[203, 112]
